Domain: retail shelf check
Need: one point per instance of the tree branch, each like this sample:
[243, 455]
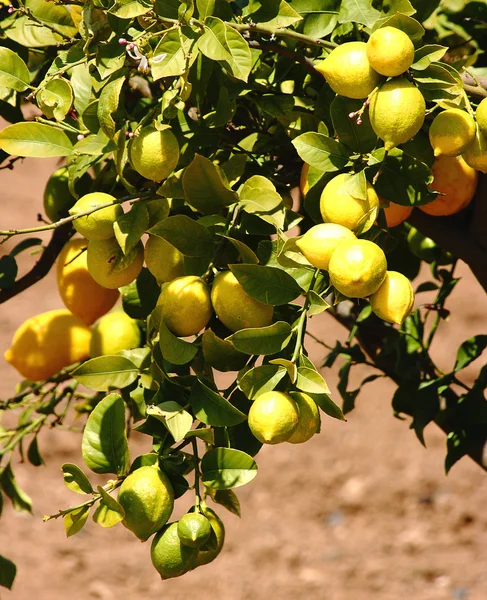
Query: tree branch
[475, 87]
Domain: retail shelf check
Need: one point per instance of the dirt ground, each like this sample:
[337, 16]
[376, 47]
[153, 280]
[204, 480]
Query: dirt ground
[360, 512]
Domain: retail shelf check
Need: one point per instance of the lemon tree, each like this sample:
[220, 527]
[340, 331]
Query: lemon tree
[231, 172]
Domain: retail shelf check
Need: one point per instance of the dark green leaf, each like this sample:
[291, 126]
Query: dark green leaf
[8, 484]
[177, 420]
[175, 350]
[328, 406]
[262, 340]
[139, 298]
[8, 271]
[359, 138]
[75, 479]
[321, 151]
[106, 372]
[211, 408]
[188, 236]
[469, 351]
[261, 379]
[33, 453]
[8, 571]
[267, 284]
[228, 499]
[130, 227]
[226, 468]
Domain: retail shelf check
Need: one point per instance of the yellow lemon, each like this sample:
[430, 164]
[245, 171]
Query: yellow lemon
[110, 267]
[390, 51]
[303, 180]
[455, 181]
[98, 225]
[186, 305]
[319, 242]
[47, 343]
[147, 498]
[309, 418]
[206, 556]
[394, 300]
[337, 205]
[84, 297]
[475, 154]
[273, 417]
[163, 260]
[154, 154]
[451, 132]
[348, 72]
[397, 112]
[234, 307]
[396, 214]
[57, 197]
[194, 530]
[357, 268]
[481, 116]
[169, 556]
[113, 333]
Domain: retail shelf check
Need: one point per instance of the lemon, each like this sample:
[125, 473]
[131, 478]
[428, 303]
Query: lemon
[394, 300]
[337, 205]
[113, 333]
[303, 180]
[169, 556]
[234, 307]
[47, 343]
[451, 132]
[81, 294]
[397, 112]
[455, 181]
[163, 260]
[147, 497]
[319, 242]
[186, 305]
[309, 418]
[390, 51]
[273, 417]
[154, 154]
[206, 556]
[98, 225]
[357, 268]
[475, 154]
[481, 116]
[194, 530]
[348, 72]
[57, 197]
[110, 267]
[396, 214]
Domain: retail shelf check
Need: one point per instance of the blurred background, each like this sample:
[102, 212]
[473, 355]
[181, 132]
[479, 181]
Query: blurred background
[361, 511]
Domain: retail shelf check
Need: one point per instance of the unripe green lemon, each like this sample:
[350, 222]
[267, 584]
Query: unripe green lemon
[397, 112]
[169, 556]
[57, 197]
[194, 530]
[206, 556]
[98, 225]
[319, 242]
[394, 300]
[147, 497]
[337, 205]
[186, 305]
[163, 260]
[475, 154]
[110, 267]
[154, 154]
[113, 333]
[357, 268]
[390, 51]
[348, 72]
[234, 307]
[309, 418]
[481, 116]
[273, 417]
[451, 132]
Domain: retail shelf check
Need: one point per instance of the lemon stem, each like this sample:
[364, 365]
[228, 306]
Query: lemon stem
[197, 475]
[301, 328]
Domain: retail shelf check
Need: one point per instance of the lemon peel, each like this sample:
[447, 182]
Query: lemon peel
[394, 300]
[154, 154]
[163, 260]
[194, 529]
[114, 332]
[390, 51]
[309, 418]
[169, 556]
[475, 154]
[319, 242]
[396, 213]
[205, 556]
[481, 116]
[99, 224]
[451, 132]
[57, 197]
[273, 417]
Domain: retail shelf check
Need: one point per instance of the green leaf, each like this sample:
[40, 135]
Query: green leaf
[205, 8]
[262, 340]
[35, 140]
[290, 367]
[75, 521]
[274, 104]
[272, 13]
[359, 138]
[139, 298]
[128, 9]
[228, 499]
[56, 98]
[207, 435]
[75, 479]
[8, 271]
[260, 380]
[8, 484]
[311, 382]
[8, 571]
[205, 186]
[81, 84]
[33, 453]
[247, 255]
[95, 145]
[110, 58]
[131, 226]
[104, 445]
[106, 372]
[258, 194]
[226, 468]
[328, 406]
[175, 350]
[188, 236]
[426, 55]
[317, 304]
[14, 73]
[321, 151]
[52, 14]
[211, 408]
[177, 420]
[108, 105]
[470, 350]
[108, 512]
[358, 11]
[176, 46]
[413, 28]
[267, 284]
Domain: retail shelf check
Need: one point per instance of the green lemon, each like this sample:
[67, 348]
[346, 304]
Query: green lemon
[194, 530]
[170, 557]
[273, 417]
[451, 132]
[309, 418]
[114, 332]
[57, 197]
[154, 154]
[110, 267]
[481, 116]
[99, 224]
[216, 541]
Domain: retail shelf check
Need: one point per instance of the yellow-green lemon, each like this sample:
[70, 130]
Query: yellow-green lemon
[475, 154]
[114, 332]
[194, 529]
[170, 557]
[57, 197]
[303, 180]
[309, 418]
[206, 556]
[394, 300]
[99, 224]
[163, 260]
[110, 267]
[319, 242]
[481, 116]
[390, 51]
[451, 132]
[273, 417]
[154, 154]
[357, 268]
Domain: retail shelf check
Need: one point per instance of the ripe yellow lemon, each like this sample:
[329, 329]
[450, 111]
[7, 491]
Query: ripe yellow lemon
[186, 305]
[397, 112]
[348, 72]
[114, 332]
[147, 497]
[319, 242]
[194, 529]
[234, 307]
[451, 132]
[337, 205]
[394, 300]
[81, 294]
[390, 51]
[97, 225]
[206, 556]
[475, 154]
[357, 268]
[455, 181]
[303, 180]
[57, 197]
[481, 116]
[110, 267]
[396, 214]
[154, 154]
[309, 418]
[273, 417]
[163, 260]
[47, 343]
[169, 556]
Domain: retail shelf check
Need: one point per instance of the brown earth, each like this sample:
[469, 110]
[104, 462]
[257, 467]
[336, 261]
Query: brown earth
[361, 511]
